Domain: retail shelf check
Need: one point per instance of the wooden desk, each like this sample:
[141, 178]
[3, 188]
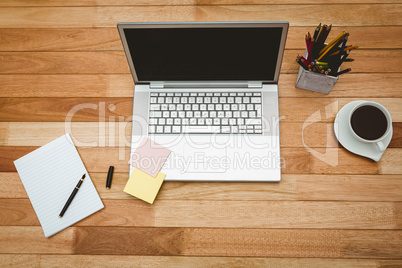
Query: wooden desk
[55, 55]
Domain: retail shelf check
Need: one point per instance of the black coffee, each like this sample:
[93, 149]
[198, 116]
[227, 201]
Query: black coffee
[369, 122]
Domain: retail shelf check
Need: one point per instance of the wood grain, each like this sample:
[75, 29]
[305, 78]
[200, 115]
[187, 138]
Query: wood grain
[302, 110]
[47, 3]
[114, 62]
[15, 239]
[18, 260]
[101, 39]
[73, 17]
[292, 187]
[353, 85]
[224, 214]
[208, 242]
[294, 160]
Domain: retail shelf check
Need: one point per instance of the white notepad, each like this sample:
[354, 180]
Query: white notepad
[49, 175]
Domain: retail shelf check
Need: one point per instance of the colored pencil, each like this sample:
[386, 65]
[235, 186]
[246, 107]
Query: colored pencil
[325, 58]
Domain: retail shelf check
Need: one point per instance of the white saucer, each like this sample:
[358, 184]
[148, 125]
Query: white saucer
[342, 133]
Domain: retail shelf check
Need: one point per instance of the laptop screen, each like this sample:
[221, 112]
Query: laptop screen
[204, 54]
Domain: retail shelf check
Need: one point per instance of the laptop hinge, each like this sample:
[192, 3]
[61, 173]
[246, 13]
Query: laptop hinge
[254, 84]
[162, 84]
[157, 84]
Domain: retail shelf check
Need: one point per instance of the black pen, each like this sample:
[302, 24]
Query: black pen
[72, 196]
[109, 177]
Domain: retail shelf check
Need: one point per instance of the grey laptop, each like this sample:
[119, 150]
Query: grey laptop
[208, 91]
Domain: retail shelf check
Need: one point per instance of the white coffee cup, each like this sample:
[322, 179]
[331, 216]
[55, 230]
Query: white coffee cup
[379, 143]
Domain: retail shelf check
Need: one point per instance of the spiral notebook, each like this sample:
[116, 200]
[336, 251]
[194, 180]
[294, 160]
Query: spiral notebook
[49, 175]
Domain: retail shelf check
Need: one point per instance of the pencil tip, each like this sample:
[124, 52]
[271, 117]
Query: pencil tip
[60, 216]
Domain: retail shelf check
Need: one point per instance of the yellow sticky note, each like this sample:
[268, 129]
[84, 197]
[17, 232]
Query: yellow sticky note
[144, 186]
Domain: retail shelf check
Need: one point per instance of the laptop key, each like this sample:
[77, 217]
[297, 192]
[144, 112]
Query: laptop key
[155, 114]
[255, 100]
[253, 121]
[201, 129]
[176, 129]
[225, 129]
[155, 107]
[168, 129]
[258, 109]
[159, 129]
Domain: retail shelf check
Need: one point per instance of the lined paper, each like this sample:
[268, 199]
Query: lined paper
[49, 175]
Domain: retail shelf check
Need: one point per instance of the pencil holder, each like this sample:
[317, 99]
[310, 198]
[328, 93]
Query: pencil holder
[315, 82]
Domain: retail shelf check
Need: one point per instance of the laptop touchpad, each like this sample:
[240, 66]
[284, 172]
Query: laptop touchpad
[204, 160]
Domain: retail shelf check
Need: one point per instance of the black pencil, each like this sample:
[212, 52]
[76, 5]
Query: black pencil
[317, 30]
[343, 72]
[72, 196]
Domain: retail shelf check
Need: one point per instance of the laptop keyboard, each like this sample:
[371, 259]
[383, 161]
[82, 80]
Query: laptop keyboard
[205, 113]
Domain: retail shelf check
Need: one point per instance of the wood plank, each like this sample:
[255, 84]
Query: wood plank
[240, 214]
[346, 187]
[120, 109]
[353, 85]
[114, 62]
[113, 134]
[292, 187]
[384, 244]
[309, 109]
[65, 109]
[28, 240]
[182, 261]
[61, 3]
[105, 62]
[239, 242]
[72, 17]
[294, 160]
[100, 39]
[19, 260]
[96, 85]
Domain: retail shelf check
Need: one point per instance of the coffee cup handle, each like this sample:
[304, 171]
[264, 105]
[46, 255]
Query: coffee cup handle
[380, 146]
